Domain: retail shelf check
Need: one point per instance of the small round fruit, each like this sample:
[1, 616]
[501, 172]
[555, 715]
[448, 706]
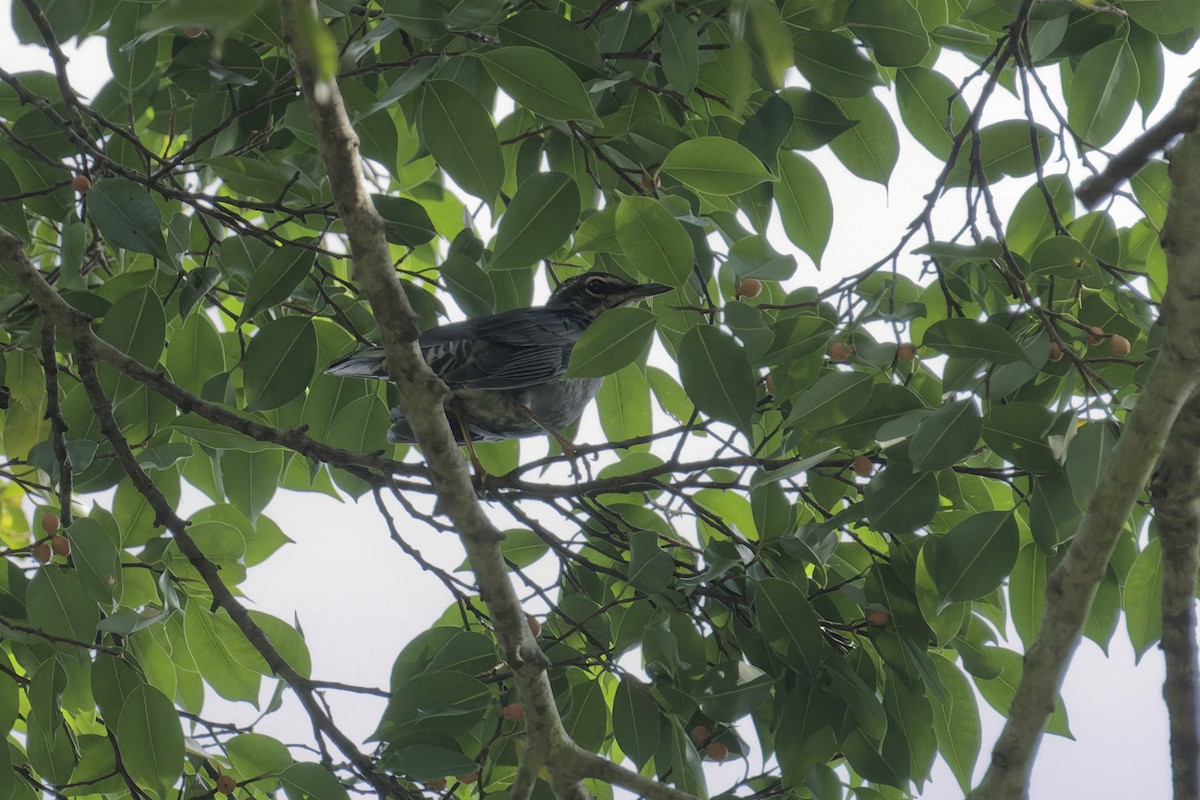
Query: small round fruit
[513, 712]
[81, 183]
[749, 287]
[535, 625]
[717, 751]
[1056, 352]
[700, 734]
[226, 784]
[469, 778]
[1094, 336]
[191, 31]
[42, 552]
[50, 522]
[840, 351]
[877, 618]
[1119, 345]
[438, 785]
[863, 466]
[60, 544]
[907, 351]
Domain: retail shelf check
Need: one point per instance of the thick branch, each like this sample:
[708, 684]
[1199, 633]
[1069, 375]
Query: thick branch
[1176, 491]
[1072, 586]
[421, 394]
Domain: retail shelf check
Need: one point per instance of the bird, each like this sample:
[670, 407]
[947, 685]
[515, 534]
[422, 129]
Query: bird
[505, 371]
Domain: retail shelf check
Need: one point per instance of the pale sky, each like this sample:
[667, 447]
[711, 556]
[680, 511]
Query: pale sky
[359, 599]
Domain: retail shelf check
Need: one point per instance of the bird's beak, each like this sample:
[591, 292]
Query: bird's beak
[642, 291]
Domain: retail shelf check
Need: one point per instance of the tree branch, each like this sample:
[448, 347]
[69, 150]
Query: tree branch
[1072, 586]
[1175, 490]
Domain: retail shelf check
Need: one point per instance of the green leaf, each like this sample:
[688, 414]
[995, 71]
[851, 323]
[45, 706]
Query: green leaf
[816, 120]
[460, 135]
[276, 279]
[715, 165]
[1142, 598]
[313, 782]
[1005, 148]
[1163, 16]
[730, 691]
[59, 605]
[931, 108]
[540, 82]
[786, 617]
[635, 721]
[753, 257]
[136, 325]
[255, 754]
[151, 739]
[975, 556]
[1088, 459]
[717, 376]
[833, 399]
[98, 562]
[426, 762]
[1103, 92]
[406, 222]
[251, 479]
[680, 53]
[891, 28]
[623, 404]
[999, 691]
[217, 436]
[280, 361]
[956, 723]
[445, 701]
[617, 338]
[538, 220]
[946, 436]
[127, 216]
[805, 207]
[897, 501]
[833, 65]
[1018, 432]
[654, 241]
[650, 568]
[970, 338]
[871, 148]
[565, 40]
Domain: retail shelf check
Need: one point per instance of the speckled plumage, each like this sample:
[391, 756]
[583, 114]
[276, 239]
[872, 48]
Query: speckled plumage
[497, 365]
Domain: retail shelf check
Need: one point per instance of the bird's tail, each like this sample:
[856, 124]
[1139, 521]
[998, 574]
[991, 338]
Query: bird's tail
[365, 363]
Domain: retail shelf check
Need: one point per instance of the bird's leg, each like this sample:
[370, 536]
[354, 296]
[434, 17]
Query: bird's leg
[568, 447]
[460, 416]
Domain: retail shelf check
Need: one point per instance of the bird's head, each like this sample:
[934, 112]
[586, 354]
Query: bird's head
[597, 292]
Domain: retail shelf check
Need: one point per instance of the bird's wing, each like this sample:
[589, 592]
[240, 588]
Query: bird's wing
[367, 362]
[512, 350]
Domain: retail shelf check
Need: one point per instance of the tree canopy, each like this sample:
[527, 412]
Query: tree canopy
[814, 507]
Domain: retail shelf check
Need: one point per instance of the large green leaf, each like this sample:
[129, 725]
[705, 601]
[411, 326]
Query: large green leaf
[276, 279]
[1142, 598]
[871, 148]
[786, 618]
[969, 338]
[635, 721]
[715, 165]
[538, 220]
[717, 376]
[129, 217]
[540, 82]
[1103, 91]
[731, 690]
[136, 325]
[280, 362]
[833, 65]
[975, 556]
[931, 107]
[891, 28]
[680, 53]
[151, 739]
[460, 135]
[654, 241]
[619, 337]
[947, 435]
[805, 207]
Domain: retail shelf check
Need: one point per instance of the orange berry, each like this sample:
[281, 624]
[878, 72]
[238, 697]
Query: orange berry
[42, 552]
[877, 618]
[1056, 352]
[840, 351]
[717, 751]
[749, 287]
[226, 784]
[438, 786]
[50, 522]
[513, 712]
[1094, 335]
[906, 351]
[700, 734]
[191, 31]
[81, 183]
[60, 544]
[1119, 345]
[863, 466]
[535, 626]
[770, 384]
[469, 778]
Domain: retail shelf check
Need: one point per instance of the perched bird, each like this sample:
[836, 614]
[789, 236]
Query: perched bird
[505, 370]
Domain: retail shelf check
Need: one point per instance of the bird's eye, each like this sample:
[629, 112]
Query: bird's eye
[596, 286]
